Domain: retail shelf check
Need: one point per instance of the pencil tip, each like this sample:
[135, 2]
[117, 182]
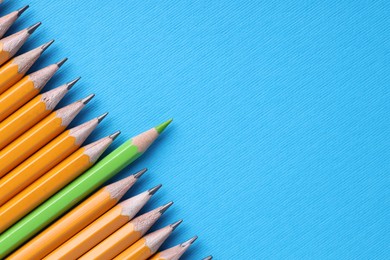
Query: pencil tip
[46, 45]
[87, 99]
[114, 135]
[154, 189]
[33, 27]
[208, 257]
[21, 10]
[71, 83]
[160, 128]
[165, 207]
[190, 241]
[101, 117]
[176, 224]
[140, 173]
[61, 62]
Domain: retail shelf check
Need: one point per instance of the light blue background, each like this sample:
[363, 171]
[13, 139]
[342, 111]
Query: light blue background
[280, 143]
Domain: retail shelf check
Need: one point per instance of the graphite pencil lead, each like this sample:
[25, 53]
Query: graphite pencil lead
[208, 257]
[114, 135]
[101, 117]
[153, 190]
[61, 62]
[21, 10]
[176, 224]
[165, 207]
[87, 99]
[33, 27]
[137, 175]
[71, 83]
[160, 128]
[189, 242]
[46, 45]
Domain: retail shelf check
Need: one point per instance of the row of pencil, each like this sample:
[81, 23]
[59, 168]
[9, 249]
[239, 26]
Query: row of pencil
[45, 172]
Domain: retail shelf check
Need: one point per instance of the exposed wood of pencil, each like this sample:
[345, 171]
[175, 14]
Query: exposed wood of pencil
[78, 190]
[31, 113]
[52, 182]
[148, 245]
[39, 135]
[7, 20]
[45, 159]
[11, 44]
[126, 235]
[77, 219]
[102, 227]
[174, 253]
[208, 257]
[25, 89]
[16, 68]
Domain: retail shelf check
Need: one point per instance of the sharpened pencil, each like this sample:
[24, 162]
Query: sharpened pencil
[8, 20]
[148, 245]
[11, 44]
[45, 159]
[174, 253]
[25, 89]
[126, 235]
[77, 219]
[52, 181]
[102, 227]
[208, 257]
[39, 135]
[78, 189]
[16, 68]
[31, 113]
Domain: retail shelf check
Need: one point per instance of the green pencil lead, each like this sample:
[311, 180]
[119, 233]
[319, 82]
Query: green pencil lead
[160, 128]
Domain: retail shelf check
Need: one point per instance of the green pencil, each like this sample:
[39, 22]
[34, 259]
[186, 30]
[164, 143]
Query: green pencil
[77, 190]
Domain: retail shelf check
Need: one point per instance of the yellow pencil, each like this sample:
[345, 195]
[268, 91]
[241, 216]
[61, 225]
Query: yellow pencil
[8, 20]
[11, 44]
[174, 253]
[45, 159]
[125, 236]
[14, 70]
[102, 227]
[148, 245]
[25, 89]
[31, 113]
[77, 219]
[43, 132]
[52, 181]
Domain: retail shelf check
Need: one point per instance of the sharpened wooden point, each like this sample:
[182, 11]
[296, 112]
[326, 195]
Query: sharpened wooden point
[189, 242]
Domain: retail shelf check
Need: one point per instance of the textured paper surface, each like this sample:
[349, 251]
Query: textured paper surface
[279, 147]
